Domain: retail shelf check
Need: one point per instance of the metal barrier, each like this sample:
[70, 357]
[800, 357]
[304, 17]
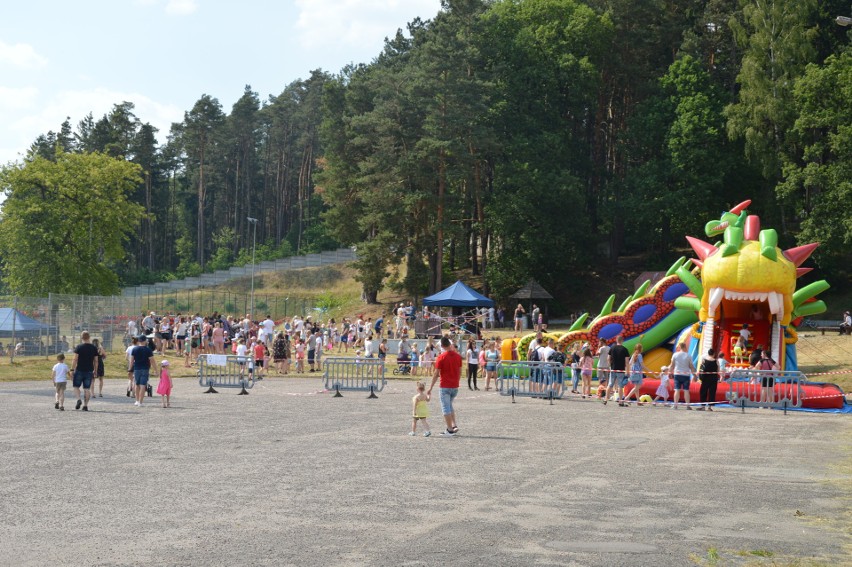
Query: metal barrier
[531, 379]
[353, 374]
[746, 388]
[225, 371]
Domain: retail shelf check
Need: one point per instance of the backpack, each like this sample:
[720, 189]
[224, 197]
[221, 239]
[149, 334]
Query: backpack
[557, 356]
[535, 356]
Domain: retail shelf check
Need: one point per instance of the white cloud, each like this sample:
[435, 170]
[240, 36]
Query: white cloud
[181, 7]
[22, 128]
[17, 98]
[21, 55]
[174, 7]
[356, 22]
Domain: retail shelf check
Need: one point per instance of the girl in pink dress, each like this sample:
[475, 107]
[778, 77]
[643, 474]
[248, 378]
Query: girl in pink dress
[164, 388]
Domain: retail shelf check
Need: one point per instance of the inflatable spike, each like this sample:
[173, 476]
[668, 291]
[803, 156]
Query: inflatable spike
[624, 305]
[702, 249]
[698, 263]
[768, 242]
[607, 308]
[811, 308]
[642, 289]
[691, 282]
[799, 254]
[741, 207]
[752, 227]
[802, 271]
[675, 266]
[809, 291]
[688, 303]
[578, 324]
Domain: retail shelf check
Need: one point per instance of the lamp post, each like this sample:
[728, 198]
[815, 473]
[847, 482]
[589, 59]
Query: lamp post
[253, 248]
[843, 21]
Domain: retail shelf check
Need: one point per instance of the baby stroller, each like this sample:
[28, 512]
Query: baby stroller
[403, 364]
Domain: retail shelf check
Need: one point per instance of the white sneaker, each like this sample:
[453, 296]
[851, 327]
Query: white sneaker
[411, 434]
[137, 404]
[427, 434]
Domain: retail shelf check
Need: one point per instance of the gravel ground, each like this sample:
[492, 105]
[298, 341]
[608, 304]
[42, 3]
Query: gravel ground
[290, 476]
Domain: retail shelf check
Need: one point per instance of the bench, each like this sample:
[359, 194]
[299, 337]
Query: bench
[823, 325]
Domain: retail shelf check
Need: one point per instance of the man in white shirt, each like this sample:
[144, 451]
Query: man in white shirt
[268, 329]
[368, 347]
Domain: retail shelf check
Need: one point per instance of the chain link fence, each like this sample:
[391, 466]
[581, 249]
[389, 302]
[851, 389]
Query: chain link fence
[31, 326]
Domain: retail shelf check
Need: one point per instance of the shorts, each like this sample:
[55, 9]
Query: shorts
[60, 386]
[167, 336]
[447, 397]
[617, 378]
[738, 351]
[636, 378]
[681, 382]
[602, 374]
[767, 381]
[258, 363]
[490, 366]
[140, 376]
[83, 379]
[585, 373]
[311, 353]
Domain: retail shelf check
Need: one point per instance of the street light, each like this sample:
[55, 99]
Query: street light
[253, 248]
[843, 20]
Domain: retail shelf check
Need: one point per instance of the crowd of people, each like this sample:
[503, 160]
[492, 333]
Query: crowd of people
[300, 344]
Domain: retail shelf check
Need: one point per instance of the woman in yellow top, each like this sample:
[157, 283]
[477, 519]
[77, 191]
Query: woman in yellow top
[420, 410]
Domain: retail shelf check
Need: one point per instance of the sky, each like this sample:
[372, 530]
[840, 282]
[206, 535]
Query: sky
[61, 58]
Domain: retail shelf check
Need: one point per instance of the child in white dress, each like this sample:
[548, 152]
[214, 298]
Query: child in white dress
[662, 393]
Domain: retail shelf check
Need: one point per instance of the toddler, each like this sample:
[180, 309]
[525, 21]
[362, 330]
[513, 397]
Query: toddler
[739, 350]
[662, 393]
[300, 356]
[60, 381]
[164, 388]
[420, 408]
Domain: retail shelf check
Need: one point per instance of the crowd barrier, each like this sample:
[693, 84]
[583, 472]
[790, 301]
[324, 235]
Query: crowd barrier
[225, 371]
[531, 379]
[745, 388]
[354, 375]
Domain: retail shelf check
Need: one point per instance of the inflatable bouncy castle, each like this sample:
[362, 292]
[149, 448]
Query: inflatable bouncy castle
[742, 282]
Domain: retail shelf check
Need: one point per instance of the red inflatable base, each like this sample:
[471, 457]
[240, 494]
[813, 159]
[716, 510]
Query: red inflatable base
[814, 396]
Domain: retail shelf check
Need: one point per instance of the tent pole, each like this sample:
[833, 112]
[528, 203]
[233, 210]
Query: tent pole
[14, 321]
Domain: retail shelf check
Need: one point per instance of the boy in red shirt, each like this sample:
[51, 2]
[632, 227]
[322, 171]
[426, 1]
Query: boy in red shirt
[259, 358]
[448, 370]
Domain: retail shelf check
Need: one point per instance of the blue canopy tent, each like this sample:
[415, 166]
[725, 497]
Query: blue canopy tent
[458, 295]
[17, 326]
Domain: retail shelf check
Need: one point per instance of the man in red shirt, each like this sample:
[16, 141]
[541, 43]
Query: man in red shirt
[448, 368]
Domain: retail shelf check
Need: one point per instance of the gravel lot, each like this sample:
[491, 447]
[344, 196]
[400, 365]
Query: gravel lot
[290, 476]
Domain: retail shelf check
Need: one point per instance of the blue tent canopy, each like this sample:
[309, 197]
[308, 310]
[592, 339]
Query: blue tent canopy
[23, 326]
[458, 295]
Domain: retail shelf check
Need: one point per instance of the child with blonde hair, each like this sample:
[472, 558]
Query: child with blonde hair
[300, 356]
[739, 350]
[59, 374]
[662, 393]
[420, 410]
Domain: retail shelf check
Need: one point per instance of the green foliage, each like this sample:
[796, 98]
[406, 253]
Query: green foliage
[65, 222]
[516, 138]
[818, 170]
[778, 40]
[328, 302]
